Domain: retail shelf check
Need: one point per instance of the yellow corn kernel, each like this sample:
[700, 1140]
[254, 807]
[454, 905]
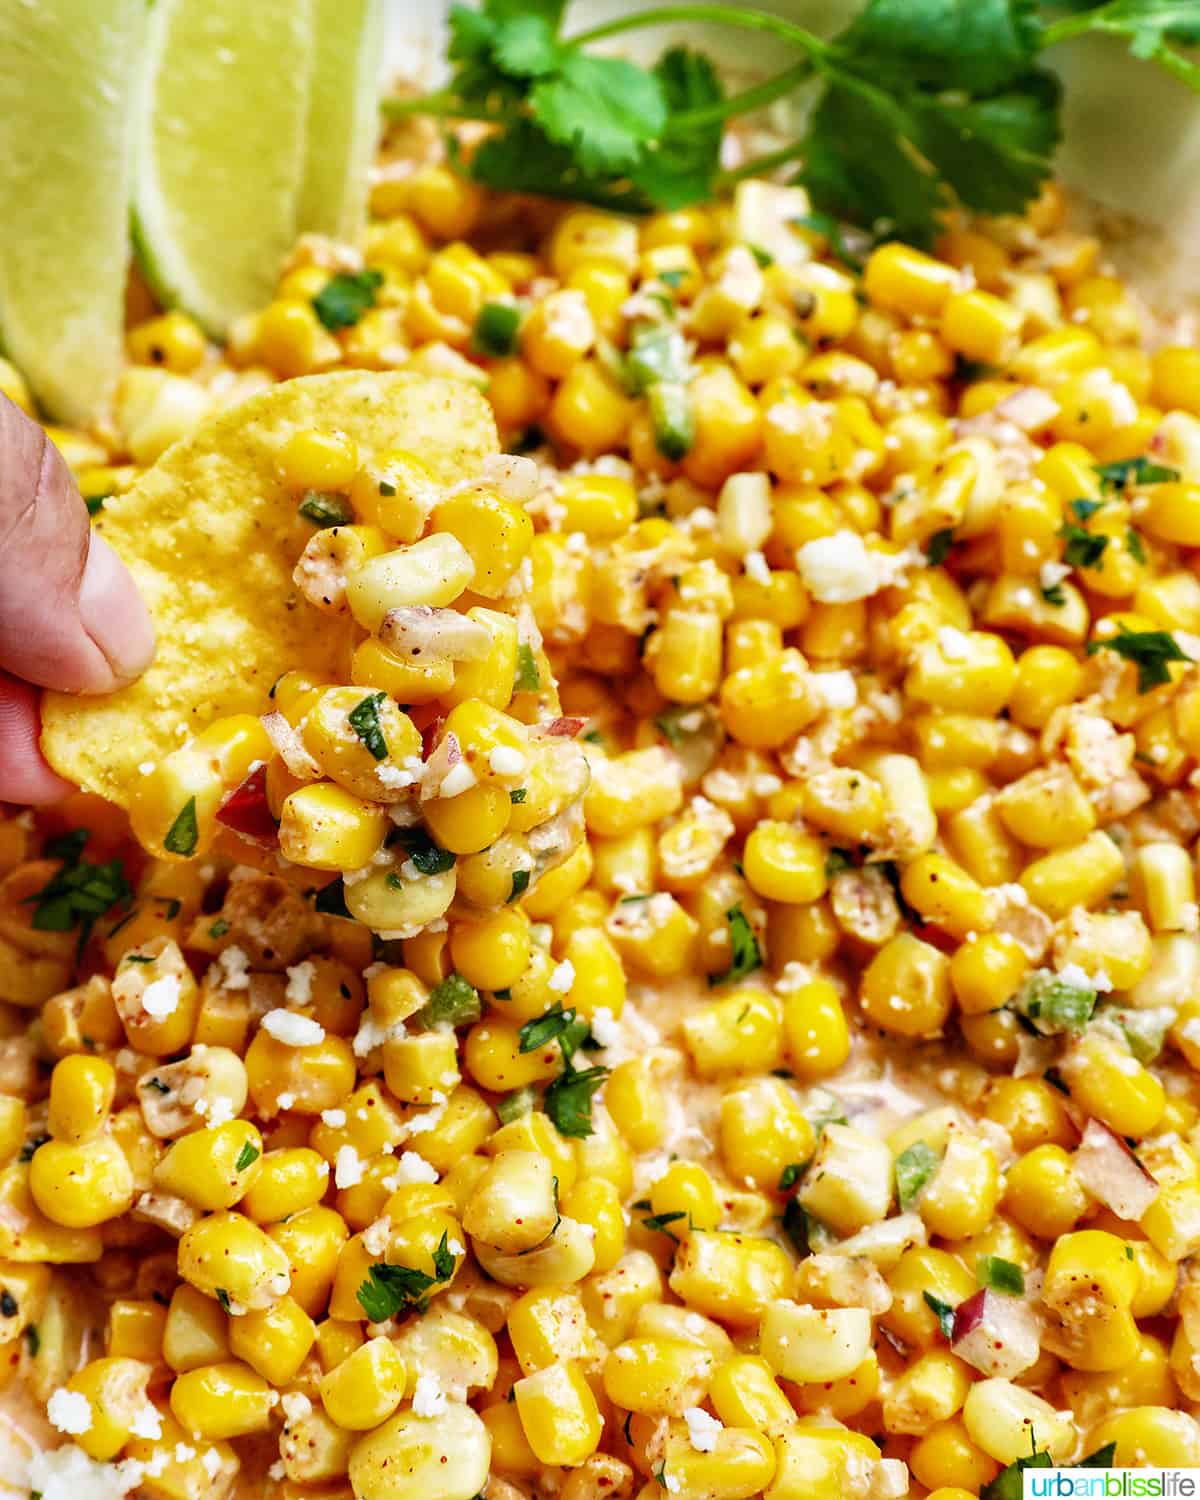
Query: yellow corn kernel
[1008, 1422]
[513, 1206]
[636, 1103]
[944, 894]
[115, 1390]
[810, 1344]
[815, 1031]
[81, 1093]
[222, 1401]
[212, 1168]
[1041, 1192]
[986, 971]
[903, 280]
[228, 1253]
[742, 1032]
[849, 1182]
[366, 1387]
[559, 1414]
[1113, 1086]
[906, 987]
[763, 1130]
[80, 1186]
[730, 1276]
[659, 1377]
[1080, 874]
[274, 1341]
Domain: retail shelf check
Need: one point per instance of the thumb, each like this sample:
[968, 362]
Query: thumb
[70, 617]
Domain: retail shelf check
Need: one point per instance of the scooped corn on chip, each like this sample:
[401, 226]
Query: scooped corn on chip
[211, 534]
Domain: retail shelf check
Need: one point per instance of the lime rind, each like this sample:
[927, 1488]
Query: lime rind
[66, 77]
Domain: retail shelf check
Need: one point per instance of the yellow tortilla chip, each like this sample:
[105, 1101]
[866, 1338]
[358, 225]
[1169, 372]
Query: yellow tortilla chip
[211, 536]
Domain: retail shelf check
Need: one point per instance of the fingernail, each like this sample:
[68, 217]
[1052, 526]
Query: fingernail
[112, 612]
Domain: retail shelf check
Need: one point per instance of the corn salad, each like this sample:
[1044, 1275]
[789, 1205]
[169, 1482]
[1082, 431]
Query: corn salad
[822, 1122]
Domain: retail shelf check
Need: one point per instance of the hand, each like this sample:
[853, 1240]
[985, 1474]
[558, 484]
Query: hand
[70, 616]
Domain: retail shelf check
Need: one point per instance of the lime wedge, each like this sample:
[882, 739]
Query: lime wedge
[66, 76]
[343, 119]
[219, 150]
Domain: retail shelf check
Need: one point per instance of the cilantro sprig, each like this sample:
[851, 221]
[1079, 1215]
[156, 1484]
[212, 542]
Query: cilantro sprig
[921, 104]
[79, 893]
[389, 1290]
[1150, 649]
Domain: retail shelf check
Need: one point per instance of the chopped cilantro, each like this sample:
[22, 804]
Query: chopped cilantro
[660, 1222]
[518, 794]
[1083, 549]
[247, 1156]
[80, 893]
[937, 548]
[325, 509]
[1128, 472]
[331, 899]
[568, 1100]
[184, 833]
[790, 1176]
[428, 857]
[389, 1290]
[942, 1311]
[528, 679]
[1150, 649]
[1102, 1458]
[543, 1029]
[1054, 595]
[344, 298]
[1134, 545]
[1086, 508]
[33, 1340]
[1000, 1275]
[158, 1085]
[827, 226]
[95, 503]
[520, 882]
[364, 720]
[1008, 1484]
[797, 1225]
[836, 861]
[745, 954]
[915, 1165]
[223, 1299]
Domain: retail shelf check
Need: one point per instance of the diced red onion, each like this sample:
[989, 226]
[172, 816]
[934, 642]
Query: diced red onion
[997, 1334]
[1108, 1169]
[446, 754]
[247, 812]
[1028, 408]
[566, 728]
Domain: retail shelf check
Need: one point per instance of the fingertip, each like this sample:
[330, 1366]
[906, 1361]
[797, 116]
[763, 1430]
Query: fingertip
[25, 777]
[113, 614]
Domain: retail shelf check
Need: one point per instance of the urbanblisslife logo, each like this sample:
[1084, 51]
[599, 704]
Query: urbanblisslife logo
[1110, 1484]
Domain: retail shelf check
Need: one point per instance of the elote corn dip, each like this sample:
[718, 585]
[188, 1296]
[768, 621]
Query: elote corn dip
[710, 1001]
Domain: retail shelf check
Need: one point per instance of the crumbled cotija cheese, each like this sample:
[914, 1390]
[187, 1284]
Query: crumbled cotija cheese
[293, 1030]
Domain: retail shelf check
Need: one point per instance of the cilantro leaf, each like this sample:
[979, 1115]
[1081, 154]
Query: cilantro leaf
[325, 510]
[1149, 26]
[429, 858]
[744, 953]
[344, 298]
[1083, 549]
[496, 329]
[184, 833]
[660, 1222]
[604, 108]
[937, 548]
[525, 45]
[681, 168]
[1102, 1458]
[1127, 472]
[980, 47]
[1150, 649]
[389, 1290]
[656, 352]
[568, 1100]
[942, 1311]
[790, 1176]
[80, 893]
[543, 1029]
[1008, 1484]
[1053, 1004]
[520, 882]
[247, 1156]
[364, 720]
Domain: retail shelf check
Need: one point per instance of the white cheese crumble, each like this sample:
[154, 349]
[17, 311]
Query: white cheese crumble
[147, 1423]
[67, 1473]
[428, 1399]
[296, 1406]
[285, 1101]
[160, 998]
[335, 1118]
[702, 1429]
[210, 1460]
[562, 977]
[293, 1030]
[233, 963]
[505, 761]
[605, 1027]
[300, 982]
[755, 566]
[839, 569]
[69, 1411]
[834, 689]
[412, 1168]
[953, 643]
[348, 1168]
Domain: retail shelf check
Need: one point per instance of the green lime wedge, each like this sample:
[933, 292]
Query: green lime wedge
[219, 150]
[66, 76]
[343, 120]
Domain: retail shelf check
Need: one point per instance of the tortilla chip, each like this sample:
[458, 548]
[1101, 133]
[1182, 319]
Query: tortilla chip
[211, 536]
